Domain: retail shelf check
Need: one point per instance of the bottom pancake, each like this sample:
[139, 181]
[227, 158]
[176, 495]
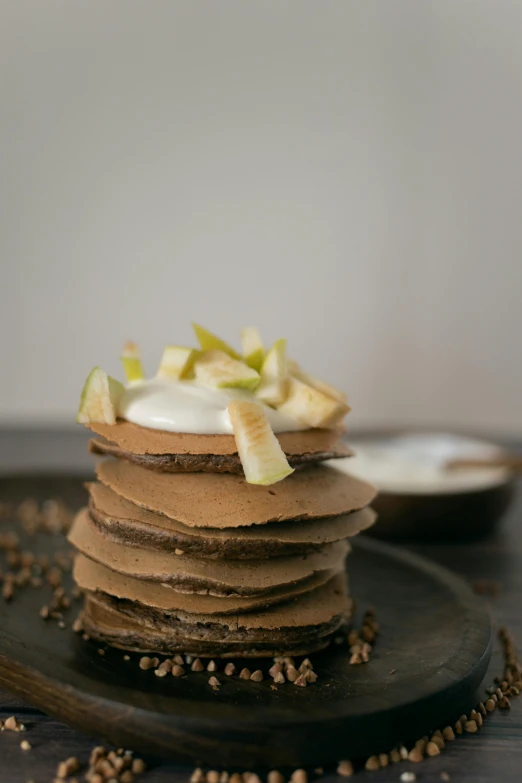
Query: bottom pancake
[300, 626]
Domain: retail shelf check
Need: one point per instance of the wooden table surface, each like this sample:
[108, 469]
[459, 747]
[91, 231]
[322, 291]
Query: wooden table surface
[493, 754]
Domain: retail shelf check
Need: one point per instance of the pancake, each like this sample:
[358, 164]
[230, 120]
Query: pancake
[96, 578]
[227, 501]
[206, 463]
[304, 623]
[122, 521]
[187, 452]
[212, 577]
[114, 628]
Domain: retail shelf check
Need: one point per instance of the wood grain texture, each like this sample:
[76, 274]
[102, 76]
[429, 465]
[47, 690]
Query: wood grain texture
[493, 754]
[434, 635]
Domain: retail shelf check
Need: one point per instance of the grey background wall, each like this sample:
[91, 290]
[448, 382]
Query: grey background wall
[347, 174]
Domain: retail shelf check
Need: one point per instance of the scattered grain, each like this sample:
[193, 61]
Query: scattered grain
[292, 674]
[344, 768]
[212, 666]
[68, 767]
[448, 734]
[244, 674]
[257, 676]
[470, 726]
[432, 749]
[230, 669]
[274, 776]
[415, 755]
[178, 671]
[214, 683]
[299, 776]
[197, 666]
[372, 763]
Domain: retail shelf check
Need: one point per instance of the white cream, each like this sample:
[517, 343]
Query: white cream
[189, 406]
[415, 464]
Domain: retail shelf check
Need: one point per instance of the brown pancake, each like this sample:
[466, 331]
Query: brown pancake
[303, 623]
[205, 463]
[227, 501]
[96, 578]
[133, 439]
[212, 577]
[111, 627]
[133, 525]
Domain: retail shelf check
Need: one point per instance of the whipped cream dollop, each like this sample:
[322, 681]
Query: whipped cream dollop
[189, 406]
[416, 464]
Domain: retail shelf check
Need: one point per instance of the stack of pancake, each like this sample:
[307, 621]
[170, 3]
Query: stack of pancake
[177, 553]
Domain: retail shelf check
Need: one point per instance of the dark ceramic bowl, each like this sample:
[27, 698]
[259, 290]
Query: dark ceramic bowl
[439, 517]
[455, 506]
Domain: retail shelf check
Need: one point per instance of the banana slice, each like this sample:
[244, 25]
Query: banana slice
[273, 387]
[100, 398]
[211, 342]
[263, 459]
[217, 369]
[310, 406]
[177, 362]
[132, 362]
[252, 347]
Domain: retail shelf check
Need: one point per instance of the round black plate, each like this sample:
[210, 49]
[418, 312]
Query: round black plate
[430, 657]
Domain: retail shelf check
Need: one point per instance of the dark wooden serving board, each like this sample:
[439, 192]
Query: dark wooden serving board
[435, 637]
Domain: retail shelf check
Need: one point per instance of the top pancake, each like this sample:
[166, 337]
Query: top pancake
[179, 452]
[227, 501]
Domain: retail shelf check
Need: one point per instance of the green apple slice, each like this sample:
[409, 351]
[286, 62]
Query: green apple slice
[219, 370]
[311, 407]
[132, 362]
[100, 398]
[252, 347]
[210, 342]
[273, 386]
[177, 362]
[263, 459]
[297, 372]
